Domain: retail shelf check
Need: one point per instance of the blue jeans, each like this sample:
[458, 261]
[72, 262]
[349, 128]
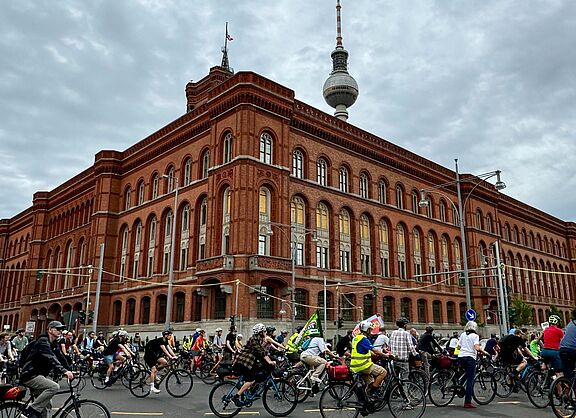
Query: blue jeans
[469, 365]
[568, 357]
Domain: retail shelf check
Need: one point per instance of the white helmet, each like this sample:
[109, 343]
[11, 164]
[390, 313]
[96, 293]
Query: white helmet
[471, 326]
[365, 326]
[258, 328]
[122, 333]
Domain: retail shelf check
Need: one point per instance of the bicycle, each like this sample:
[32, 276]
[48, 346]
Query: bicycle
[179, 382]
[562, 397]
[538, 383]
[445, 384]
[73, 406]
[302, 381]
[124, 372]
[278, 395]
[403, 397]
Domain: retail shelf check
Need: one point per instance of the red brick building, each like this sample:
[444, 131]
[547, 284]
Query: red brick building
[249, 160]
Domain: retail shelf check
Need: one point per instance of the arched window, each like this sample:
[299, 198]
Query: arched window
[205, 164]
[422, 311]
[401, 249]
[451, 312]
[298, 221]
[388, 309]
[170, 180]
[507, 232]
[384, 249]
[145, 310]
[226, 221]
[155, 186]
[137, 249]
[187, 171]
[266, 148]
[399, 197]
[382, 191]
[124, 253]
[415, 201]
[322, 236]
[321, 172]
[130, 311]
[264, 216]
[127, 198]
[116, 312]
[140, 192]
[298, 164]
[343, 179]
[457, 256]
[167, 242]
[489, 227]
[345, 241]
[161, 303]
[432, 256]
[437, 312]
[151, 248]
[406, 308]
[184, 234]
[479, 219]
[227, 148]
[417, 255]
[442, 207]
[364, 186]
[365, 249]
[202, 233]
[69, 264]
[180, 303]
[444, 253]
[429, 207]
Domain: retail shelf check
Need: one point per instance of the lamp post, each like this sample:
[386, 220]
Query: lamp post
[462, 221]
[293, 250]
[171, 262]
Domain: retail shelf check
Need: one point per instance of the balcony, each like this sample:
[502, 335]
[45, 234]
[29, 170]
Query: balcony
[488, 292]
[265, 262]
[223, 262]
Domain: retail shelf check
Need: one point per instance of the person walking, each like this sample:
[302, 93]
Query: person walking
[19, 341]
[401, 346]
[469, 343]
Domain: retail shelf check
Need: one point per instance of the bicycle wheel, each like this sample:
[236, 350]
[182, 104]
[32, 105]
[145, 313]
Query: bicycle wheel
[503, 385]
[205, 373]
[406, 399]
[484, 388]
[11, 409]
[98, 377]
[179, 383]
[419, 377]
[538, 389]
[220, 399]
[127, 374]
[139, 384]
[279, 397]
[85, 408]
[301, 385]
[441, 389]
[563, 398]
[338, 400]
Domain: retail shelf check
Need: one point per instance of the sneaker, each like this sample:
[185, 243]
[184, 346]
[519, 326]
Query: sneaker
[153, 389]
[237, 401]
[469, 406]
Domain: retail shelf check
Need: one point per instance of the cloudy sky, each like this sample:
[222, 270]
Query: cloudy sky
[492, 82]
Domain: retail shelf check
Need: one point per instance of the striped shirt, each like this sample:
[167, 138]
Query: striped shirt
[401, 344]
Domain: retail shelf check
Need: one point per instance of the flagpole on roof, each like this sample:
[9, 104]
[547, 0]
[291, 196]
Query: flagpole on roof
[225, 64]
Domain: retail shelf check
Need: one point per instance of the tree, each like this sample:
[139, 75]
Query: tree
[520, 313]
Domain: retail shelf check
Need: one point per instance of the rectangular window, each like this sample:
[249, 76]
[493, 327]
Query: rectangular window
[300, 254]
[418, 271]
[165, 262]
[262, 250]
[385, 266]
[365, 260]
[402, 269]
[183, 258]
[150, 265]
[321, 257]
[202, 251]
[344, 260]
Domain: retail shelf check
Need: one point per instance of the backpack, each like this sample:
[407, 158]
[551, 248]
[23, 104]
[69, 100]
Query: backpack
[306, 344]
[25, 354]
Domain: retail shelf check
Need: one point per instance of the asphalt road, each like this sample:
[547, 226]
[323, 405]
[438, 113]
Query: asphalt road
[123, 405]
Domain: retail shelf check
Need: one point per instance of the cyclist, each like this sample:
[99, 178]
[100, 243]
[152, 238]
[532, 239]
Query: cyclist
[19, 341]
[469, 343]
[492, 346]
[568, 348]
[246, 363]
[270, 342]
[453, 343]
[361, 358]
[312, 356]
[229, 348]
[6, 352]
[401, 346]
[292, 348]
[512, 350]
[551, 350]
[154, 355]
[38, 360]
[427, 347]
[217, 345]
[116, 352]
[282, 336]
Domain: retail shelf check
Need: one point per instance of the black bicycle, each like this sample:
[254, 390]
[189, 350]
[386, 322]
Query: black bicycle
[179, 382]
[73, 406]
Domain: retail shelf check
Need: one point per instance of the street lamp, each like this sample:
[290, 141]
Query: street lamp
[171, 263]
[293, 249]
[499, 185]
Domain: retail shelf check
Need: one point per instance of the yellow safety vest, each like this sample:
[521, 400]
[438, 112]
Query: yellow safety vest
[359, 361]
[290, 345]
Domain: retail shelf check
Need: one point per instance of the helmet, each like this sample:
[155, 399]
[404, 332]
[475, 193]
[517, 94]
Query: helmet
[166, 333]
[122, 333]
[15, 392]
[365, 326]
[429, 329]
[554, 320]
[218, 329]
[115, 333]
[402, 322]
[299, 328]
[258, 328]
[270, 329]
[471, 326]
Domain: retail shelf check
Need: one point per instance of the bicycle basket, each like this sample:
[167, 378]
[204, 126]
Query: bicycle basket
[12, 393]
[444, 362]
[338, 373]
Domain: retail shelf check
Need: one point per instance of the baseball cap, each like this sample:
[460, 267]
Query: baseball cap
[56, 324]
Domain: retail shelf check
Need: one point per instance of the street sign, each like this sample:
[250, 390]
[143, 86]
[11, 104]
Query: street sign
[30, 327]
[471, 315]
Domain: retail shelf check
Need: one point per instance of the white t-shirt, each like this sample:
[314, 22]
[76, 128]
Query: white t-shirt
[382, 341]
[467, 342]
[453, 342]
[317, 346]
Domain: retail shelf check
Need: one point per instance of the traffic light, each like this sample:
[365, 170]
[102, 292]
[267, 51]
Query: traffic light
[232, 320]
[461, 281]
[82, 316]
[38, 275]
[340, 322]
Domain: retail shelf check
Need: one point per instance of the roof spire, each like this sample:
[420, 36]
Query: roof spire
[340, 89]
[225, 64]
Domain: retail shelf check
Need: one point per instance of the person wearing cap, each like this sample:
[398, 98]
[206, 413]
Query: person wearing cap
[282, 336]
[427, 347]
[19, 341]
[116, 352]
[43, 357]
[154, 355]
[513, 349]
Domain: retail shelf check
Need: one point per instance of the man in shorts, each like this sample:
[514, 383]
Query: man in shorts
[154, 354]
[361, 358]
[116, 353]
[513, 350]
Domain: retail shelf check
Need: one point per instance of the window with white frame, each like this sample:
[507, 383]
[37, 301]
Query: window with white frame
[151, 248]
[227, 148]
[69, 264]
[321, 172]
[170, 181]
[364, 185]
[264, 217]
[415, 201]
[345, 241]
[167, 242]
[444, 251]
[417, 255]
[226, 197]
[205, 164]
[322, 236]
[384, 249]
[298, 164]
[141, 192]
[401, 250]
[202, 232]
[432, 256]
[266, 148]
[137, 249]
[155, 186]
[128, 198]
[365, 248]
[382, 192]
[399, 197]
[442, 208]
[187, 171]
[184, 234]
[343, 179]
[298, 233]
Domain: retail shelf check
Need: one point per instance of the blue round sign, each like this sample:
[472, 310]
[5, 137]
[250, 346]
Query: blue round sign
[470, 314]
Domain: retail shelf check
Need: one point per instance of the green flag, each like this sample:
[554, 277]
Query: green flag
[312, 328]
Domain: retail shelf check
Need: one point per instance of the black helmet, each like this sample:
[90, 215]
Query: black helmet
[166, 333]
[429, 329]
[402, 322]
[270, 329]
[299, 328]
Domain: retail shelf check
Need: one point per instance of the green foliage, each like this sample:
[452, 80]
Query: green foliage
[520, 313]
